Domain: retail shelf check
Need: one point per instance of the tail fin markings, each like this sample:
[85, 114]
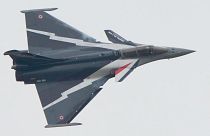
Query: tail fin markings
[116, 38]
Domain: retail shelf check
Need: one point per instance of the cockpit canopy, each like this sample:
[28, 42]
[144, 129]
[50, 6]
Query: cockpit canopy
[143, 51]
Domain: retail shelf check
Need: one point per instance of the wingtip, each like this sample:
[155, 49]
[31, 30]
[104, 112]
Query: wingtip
[37, 10]
[62, 125]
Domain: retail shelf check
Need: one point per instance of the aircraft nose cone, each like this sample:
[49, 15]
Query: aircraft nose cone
[185, 51]
[176, 52]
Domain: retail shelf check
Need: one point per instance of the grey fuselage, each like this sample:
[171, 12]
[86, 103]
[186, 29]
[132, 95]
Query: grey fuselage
[81, 66]
[69, 67]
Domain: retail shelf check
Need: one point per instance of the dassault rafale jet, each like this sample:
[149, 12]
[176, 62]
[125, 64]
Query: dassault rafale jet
[69, 68]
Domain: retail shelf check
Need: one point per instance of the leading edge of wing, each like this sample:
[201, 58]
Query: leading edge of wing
[46, 33]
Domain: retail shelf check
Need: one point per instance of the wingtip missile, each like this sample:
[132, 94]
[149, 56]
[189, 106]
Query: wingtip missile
[62, 125]
[35, 10]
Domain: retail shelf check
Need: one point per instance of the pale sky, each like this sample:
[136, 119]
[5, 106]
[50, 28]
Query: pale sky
[164, 98]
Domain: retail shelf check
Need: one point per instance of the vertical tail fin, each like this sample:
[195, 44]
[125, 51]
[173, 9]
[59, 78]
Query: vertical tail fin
[116, 38]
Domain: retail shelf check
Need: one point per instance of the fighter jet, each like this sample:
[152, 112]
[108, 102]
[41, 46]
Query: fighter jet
[69, 68]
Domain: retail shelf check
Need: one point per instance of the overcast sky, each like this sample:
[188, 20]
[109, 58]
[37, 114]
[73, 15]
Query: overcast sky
[164, 98]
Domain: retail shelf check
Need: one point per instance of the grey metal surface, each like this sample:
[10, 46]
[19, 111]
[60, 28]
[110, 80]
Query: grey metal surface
[72, 105]
[35, 10]
[116, 38]
[69, 67]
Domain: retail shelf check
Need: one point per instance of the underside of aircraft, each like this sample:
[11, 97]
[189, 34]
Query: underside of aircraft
[69, 67]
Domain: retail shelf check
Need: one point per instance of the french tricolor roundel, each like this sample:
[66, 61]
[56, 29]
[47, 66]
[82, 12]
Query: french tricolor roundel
[61, 117]
[40, 16]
